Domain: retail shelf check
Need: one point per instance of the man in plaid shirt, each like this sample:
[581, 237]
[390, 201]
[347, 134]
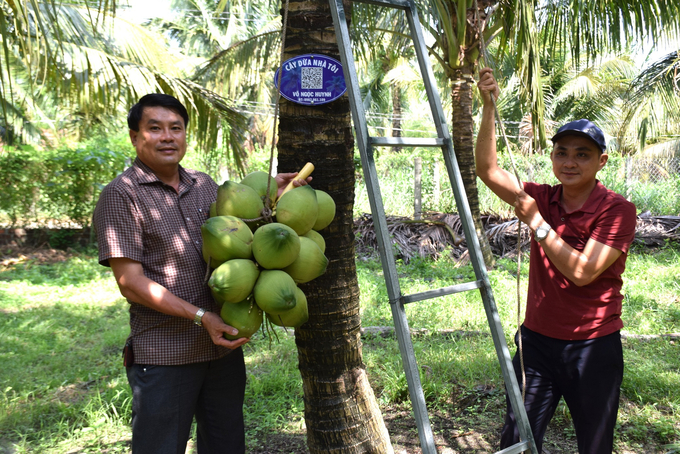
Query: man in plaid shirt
[148, 222]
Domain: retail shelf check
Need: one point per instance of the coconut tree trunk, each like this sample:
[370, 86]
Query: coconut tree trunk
[341, 412]
[462, 132]
[396, 113]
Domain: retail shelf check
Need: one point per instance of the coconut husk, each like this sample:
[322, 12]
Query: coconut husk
[426, 237]
[655, 231]
[442, 233]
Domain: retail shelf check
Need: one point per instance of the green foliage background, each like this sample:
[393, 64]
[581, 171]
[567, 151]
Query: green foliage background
[657, 193]
[60, 184]
[63, 184]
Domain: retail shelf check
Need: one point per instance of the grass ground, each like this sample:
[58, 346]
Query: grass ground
[62, 325]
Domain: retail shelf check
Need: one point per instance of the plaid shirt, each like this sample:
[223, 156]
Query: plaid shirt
[141, 218]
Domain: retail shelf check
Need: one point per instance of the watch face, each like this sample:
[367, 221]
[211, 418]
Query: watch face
[542, 232]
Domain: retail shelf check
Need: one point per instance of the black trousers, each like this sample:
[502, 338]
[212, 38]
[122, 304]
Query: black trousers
[586, 373]
[165, 400]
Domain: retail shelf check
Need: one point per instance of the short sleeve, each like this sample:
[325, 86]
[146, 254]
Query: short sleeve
[118, 226]
[616, 225]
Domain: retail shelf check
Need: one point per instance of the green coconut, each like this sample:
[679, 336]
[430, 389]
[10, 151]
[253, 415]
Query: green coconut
[235, 199]
[317, 238]
[310, 264]
[294, 317]
[218, 300]
[233, 281]
[213, 209]
[298, 209]
[245, 316]
[225, 238]
[258, 181]
[275, 245]
[274, 291]
[326, 210]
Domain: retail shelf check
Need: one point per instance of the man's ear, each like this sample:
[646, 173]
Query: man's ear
[603, 160]
[133, 137]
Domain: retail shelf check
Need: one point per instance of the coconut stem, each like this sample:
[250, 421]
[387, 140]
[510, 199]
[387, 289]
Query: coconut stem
[207, 270]
[302, 175]
[284, 326]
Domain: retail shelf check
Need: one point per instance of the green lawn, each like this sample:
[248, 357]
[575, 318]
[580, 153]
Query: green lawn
[62, 326]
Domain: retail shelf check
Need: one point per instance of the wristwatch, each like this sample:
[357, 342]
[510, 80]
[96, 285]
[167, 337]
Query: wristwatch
[199, 316]
[542, 231]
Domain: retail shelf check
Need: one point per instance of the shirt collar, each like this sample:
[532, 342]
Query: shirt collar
[591, 204]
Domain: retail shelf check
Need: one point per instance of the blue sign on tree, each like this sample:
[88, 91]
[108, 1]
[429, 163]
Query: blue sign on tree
[311, 79]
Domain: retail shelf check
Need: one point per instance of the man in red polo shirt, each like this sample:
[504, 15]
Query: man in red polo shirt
[571, 343]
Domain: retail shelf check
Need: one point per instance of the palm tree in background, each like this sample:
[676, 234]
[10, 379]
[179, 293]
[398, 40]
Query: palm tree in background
[633, 106]
[455, 29]
[595, 90]
[384, 90]
[69, 67]
[653, 110]
[235, 46]
[388, 68]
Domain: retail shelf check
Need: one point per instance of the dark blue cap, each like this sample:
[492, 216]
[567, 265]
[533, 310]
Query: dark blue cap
[585, 128]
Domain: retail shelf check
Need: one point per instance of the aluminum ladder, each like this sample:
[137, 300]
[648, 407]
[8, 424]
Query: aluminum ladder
[397, 301]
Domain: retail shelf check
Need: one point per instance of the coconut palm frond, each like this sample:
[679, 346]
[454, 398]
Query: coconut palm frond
[668, 149]
[56, 25]
[17, 126]
[662, 79]
[594, 91]
[68, 59]
[374, 93]
[404, 73]
[18, 108]
[375, 30]
[584, 84]
[519, 37]
[620, 67]
[441, 15]
[209, 112]
[586, 31]
[652, 107]
[589, 29]
[242, 40]
[77, 65]
[244, 64]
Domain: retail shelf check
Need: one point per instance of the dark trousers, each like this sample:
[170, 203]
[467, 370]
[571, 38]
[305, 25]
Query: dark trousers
[586, 373]
[165, 400]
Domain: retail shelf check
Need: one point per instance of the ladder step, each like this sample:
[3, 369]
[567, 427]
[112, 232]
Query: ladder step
[412, 298]
[522, 446]
[406, 142]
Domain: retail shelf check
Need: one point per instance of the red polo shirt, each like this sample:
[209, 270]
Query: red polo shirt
[556, 307]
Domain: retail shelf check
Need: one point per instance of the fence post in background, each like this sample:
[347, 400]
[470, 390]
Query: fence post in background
[629, 178]
[417, 187]
[530, 171]
[437, 184]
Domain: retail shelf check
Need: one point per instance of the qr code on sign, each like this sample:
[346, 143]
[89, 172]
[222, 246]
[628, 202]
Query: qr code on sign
[312, 78]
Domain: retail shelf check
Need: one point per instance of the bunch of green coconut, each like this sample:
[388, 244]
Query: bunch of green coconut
[256, 265]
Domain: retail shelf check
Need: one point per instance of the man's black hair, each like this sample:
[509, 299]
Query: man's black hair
[155, 100]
